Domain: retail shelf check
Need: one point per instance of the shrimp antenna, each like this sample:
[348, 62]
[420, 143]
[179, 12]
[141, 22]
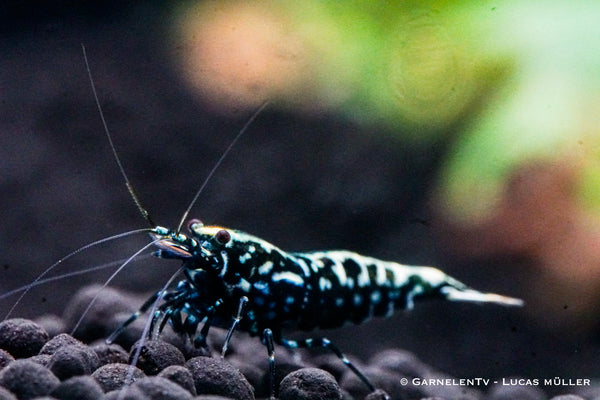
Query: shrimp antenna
[218, 163]
[25, 289]
[134, 196]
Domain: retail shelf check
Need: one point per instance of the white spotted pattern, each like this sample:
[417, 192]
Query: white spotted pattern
[376, 296]
[245, 257]
[266, 268]
[287, 276]
[303, 266]
[380, 277]
[325, 284]
[339, 271]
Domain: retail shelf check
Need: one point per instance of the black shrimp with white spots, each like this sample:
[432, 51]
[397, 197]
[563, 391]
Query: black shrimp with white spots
[234, 276]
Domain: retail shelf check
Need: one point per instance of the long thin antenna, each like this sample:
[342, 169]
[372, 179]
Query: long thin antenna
[219, 162]
[110, 278]
[135, 198]
[28, 287]
[71, 274]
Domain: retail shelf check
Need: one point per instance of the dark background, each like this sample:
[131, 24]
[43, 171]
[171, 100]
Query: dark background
[302, 183]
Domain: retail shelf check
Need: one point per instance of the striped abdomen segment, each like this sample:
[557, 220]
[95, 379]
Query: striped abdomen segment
[348, 287]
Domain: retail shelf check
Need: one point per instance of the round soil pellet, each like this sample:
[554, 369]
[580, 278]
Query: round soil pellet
[73, 360]
[282, 369]
[157, 388]
[156, 355]
[214, 376]
[58, 342]
[181, 376]
[78, 388]
[110, 353]
[22, 338]
[308, 384]
[114, 376]
[27, 379]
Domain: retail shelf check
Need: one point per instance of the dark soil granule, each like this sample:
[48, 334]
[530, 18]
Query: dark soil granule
[59, 342]
[309, 384]
[215, 376]
[110, 353]
[73, 360]
[281, 371]
[156, 355]
[157, 388]
[114, 376]
[22, 338]
[180, 375]
[78, 388]
[27, 379]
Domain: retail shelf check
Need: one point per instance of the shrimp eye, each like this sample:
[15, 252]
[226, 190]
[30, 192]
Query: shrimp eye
[193, 222]
[222, 236]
